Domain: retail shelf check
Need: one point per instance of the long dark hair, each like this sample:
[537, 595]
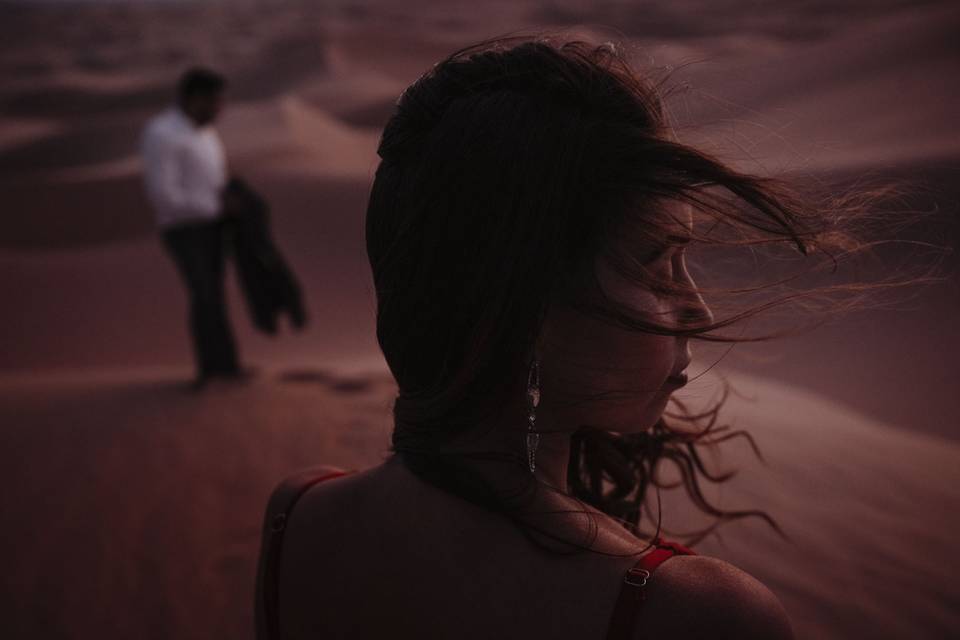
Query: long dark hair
[505, 170]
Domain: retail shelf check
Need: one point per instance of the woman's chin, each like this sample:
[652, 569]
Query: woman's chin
[645, 423]
[631, 418]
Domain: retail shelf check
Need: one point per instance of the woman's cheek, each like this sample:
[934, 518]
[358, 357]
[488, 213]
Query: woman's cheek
[612, 376]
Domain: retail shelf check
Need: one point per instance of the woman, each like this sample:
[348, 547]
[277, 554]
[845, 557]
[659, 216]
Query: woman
[527, 231]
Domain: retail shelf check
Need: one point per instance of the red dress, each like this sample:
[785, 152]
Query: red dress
[622, 621]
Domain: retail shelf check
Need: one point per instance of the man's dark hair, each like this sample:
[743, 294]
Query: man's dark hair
[200, 81]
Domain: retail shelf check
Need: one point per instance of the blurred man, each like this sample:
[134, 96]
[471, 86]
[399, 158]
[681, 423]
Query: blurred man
[185, 173]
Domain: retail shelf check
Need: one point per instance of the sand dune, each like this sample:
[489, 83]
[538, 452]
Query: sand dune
[304, 138]
[860, 499]
[96, 210]
[78, 147]
[81, 186]
[836, 102]
[130, 549]
[289, 137]
[108, 295]
[147, 501]
[834, 71]
[121, 524]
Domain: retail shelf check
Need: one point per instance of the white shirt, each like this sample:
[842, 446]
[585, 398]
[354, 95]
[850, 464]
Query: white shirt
[184, 168]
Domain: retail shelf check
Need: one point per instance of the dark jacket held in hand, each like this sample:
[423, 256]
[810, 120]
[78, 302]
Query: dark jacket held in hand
[266, 280]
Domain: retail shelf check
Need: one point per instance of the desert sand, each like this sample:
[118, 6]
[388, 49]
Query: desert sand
[136, 507]
[131, 508]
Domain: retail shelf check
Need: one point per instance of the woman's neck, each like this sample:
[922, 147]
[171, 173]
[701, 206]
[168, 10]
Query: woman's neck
[505, 435]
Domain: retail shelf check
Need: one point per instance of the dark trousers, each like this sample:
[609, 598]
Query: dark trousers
[198, 249]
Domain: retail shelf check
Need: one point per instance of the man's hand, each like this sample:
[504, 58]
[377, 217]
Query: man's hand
[231, 202]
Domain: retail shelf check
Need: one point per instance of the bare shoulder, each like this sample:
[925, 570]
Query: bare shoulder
[292, 485]
[700, 596]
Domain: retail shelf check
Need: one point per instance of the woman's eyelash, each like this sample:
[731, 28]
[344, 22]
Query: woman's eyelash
[664, 284]
[656, 254]
[673, 242]
[667, 254]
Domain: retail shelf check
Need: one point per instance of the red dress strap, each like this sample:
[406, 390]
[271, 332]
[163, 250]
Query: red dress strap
[275, 523]
[632, 590]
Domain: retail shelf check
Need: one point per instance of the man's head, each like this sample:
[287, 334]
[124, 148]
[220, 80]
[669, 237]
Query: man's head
[200, 94]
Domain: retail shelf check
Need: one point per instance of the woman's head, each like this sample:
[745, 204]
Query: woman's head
[520, 184]
[532, 201]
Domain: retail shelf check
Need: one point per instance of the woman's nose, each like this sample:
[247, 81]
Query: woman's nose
[696, 312]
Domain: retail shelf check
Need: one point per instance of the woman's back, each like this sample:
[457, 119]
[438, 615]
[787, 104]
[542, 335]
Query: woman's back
[382, 552]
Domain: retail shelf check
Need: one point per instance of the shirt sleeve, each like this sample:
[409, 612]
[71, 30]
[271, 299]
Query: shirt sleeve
[163, 161]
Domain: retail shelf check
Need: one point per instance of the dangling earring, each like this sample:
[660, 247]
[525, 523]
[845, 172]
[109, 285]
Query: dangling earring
[533, 399]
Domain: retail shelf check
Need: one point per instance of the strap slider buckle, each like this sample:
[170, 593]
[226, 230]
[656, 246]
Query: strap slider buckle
[636, 577]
